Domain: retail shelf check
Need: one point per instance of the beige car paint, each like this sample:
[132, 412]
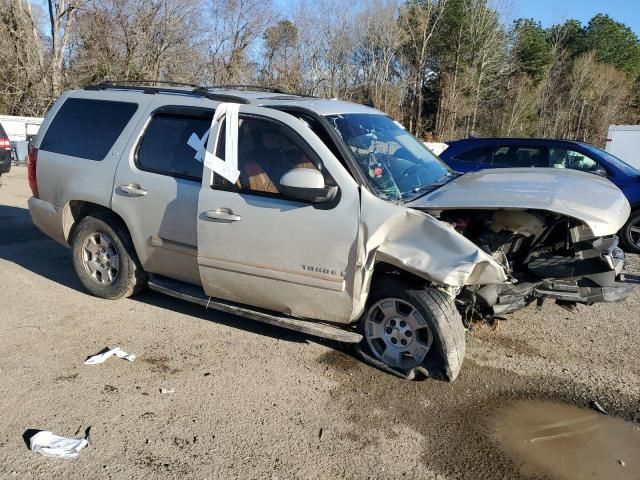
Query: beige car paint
[376, 230]
[593, 200]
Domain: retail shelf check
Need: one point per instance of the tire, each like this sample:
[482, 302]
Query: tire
[100, 243]
[630, 233]
[440, 330]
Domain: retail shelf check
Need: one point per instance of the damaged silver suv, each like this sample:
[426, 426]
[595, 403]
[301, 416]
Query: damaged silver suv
[321, 216]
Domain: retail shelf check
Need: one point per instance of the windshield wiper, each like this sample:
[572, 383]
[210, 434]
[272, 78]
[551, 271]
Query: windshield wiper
[425, 189]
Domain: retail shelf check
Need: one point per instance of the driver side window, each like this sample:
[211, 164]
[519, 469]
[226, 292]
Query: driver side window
[564, 158]
[266, 151]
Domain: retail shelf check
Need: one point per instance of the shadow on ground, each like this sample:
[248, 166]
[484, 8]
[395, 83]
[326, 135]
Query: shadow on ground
[23, 244]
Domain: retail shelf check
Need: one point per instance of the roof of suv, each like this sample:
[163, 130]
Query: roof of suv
[258, 97]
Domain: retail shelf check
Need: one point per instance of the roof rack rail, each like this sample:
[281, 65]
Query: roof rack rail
[257, 88]
[113, 83]
[198, 90]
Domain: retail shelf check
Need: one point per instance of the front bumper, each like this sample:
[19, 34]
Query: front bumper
[595, 274]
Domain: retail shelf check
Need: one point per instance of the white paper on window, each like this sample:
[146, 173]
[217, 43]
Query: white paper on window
[227, 167]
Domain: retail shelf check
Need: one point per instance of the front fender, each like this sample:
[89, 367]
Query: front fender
[418, 243]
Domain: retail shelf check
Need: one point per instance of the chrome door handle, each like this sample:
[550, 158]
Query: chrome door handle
[132, 190]
[225, 214]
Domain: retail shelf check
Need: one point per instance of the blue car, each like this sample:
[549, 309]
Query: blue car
[474, 154]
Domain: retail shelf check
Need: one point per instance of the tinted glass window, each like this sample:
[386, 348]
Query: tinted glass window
[87, 128]
[477, 155]
[520, 157]
[266, 151]
[564, 158]
[531, 157]
[172, 145]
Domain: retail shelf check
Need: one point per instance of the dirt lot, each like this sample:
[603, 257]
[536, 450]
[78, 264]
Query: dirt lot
[253, 401]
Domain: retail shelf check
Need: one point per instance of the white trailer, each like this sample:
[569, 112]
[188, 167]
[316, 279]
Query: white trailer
[623, 141]
[20, 128]
[20, 131]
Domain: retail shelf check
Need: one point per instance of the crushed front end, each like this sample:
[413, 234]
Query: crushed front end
[548, 257]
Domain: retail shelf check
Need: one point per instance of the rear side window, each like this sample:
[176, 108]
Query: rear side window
[524, 156]
[477, 155]
[530, 157]
[173, 145]
[87, 128]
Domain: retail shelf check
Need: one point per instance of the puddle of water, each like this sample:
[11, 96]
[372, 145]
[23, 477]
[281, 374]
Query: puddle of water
[566, 442]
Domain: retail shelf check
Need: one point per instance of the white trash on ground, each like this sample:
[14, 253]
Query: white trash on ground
[50, 445]
[102, 357]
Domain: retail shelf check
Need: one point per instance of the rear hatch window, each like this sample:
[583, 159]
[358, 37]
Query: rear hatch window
[86, 128]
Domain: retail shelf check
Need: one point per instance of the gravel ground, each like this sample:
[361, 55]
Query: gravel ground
[253, 401]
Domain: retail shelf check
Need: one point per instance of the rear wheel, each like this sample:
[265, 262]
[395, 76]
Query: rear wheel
[413, 330]
[104, 258]
[631, 233]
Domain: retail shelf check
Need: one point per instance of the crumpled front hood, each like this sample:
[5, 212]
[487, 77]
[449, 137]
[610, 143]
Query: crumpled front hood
[594, 200]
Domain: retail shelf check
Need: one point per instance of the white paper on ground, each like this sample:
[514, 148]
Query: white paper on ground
[50, 445]
[227, 167]
[101, 357]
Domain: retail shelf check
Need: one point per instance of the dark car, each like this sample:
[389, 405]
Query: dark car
[5, 152]
[474, 154]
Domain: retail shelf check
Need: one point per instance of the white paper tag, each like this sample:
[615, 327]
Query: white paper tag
[227, 168]
[198, 144]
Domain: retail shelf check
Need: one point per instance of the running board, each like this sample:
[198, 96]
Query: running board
[194, 294]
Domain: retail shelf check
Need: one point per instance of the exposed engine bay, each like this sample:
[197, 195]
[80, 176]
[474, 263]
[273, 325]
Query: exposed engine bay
[548, 256]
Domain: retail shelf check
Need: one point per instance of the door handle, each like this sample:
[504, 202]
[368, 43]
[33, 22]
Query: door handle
[132, 190]
[225, 214]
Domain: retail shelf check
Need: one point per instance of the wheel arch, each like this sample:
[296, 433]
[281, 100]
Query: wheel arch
[75, 210]
[383, 270]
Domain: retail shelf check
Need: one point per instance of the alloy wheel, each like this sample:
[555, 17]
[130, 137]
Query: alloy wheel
[397, 333]
[100, 258]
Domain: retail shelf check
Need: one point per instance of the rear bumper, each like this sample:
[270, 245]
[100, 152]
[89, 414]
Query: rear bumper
[48, 218]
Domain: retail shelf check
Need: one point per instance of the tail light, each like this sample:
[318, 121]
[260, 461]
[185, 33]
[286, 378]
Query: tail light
[5, 144]
[31, 171]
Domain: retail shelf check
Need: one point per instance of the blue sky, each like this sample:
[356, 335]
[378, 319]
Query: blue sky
[550, 12]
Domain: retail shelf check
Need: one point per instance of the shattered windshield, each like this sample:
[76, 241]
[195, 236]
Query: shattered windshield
[397, 166]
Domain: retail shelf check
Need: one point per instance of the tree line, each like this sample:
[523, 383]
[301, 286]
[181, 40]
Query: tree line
[445, 68]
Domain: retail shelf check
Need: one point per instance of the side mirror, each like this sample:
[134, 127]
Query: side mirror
[600, 171]
[306, 184]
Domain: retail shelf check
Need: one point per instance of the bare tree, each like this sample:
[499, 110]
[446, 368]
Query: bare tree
[62, 14]
[488, 56]
[22, 79]
[378, 49]
[419, 19]
[235, 26]
[136, 39]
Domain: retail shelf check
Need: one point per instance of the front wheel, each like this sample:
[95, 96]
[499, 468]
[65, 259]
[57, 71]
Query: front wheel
[630, 233]
[413, 330]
